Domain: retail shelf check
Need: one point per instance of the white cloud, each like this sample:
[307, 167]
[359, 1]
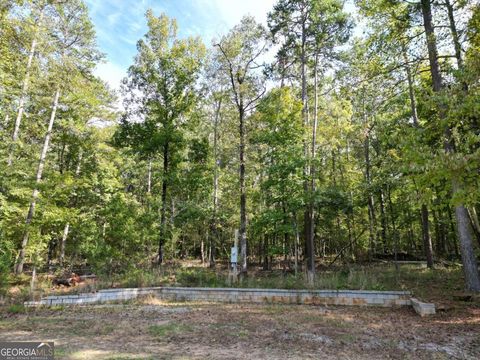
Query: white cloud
[113, 18]
[232, 11]
[111, 73]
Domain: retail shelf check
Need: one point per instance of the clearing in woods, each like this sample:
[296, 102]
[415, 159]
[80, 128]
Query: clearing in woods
[150, 329]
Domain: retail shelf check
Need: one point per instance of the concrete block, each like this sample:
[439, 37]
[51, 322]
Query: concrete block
[232, 295]
[423, 309]
[377, 301]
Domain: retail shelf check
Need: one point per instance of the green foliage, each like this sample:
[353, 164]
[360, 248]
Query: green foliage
[16, 309]
[6, 263]
[278, 137]
[199, 277]
[165, 74]
[135, 277]
[167, 174]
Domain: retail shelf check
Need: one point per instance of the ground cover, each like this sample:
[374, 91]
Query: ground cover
[151, 329]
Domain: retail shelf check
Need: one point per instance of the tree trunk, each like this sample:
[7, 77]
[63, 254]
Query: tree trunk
[297, 243]
[285, 233]
[453, 30]
[149, 177]
[62, 244]
[243, 194]
[438, 239]
[411, 234]
[411, 92]
[372, 226]
[383, 222]
[309, 243]
[23, 94]
[458, 53]
[371, 208]
[33, 202]
[163, 212]
[67, 225]
[265, 252]
[472, 212]
[33, 281]
[432, 47]
[311, 233]
[453, 232]
[470, 267]
[394, 229]
[427, 241]
[214, 237]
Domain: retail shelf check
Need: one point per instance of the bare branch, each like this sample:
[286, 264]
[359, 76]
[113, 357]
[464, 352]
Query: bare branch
[232, 80]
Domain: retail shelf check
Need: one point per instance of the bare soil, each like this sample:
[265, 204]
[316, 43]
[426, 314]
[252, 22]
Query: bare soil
[151, 329]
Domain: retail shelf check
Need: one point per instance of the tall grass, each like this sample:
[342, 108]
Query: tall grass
[355, 277]
[424, 283]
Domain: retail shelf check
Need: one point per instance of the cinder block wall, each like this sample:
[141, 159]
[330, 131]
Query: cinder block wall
[229, 295]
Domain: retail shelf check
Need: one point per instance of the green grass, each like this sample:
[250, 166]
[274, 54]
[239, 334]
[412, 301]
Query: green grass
[201, 277]
[243, 334]
[347, 338]
[61, 352]
[165, 330]
[16, 309]
[204, 277]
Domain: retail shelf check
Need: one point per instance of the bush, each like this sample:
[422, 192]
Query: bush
[198, 277]
[140, 278]
[16, 309]
[6, 263]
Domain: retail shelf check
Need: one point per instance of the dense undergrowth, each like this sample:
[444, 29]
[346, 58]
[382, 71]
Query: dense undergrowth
[440, 283]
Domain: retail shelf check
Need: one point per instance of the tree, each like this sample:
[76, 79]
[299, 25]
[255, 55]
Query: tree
[393, 38]
[309, 28]
[38, 12]
[161, 93]
[241, 50]
[278, 137]
[470, 267]
[73, 38]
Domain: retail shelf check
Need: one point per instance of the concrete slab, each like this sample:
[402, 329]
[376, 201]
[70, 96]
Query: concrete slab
[422, 308]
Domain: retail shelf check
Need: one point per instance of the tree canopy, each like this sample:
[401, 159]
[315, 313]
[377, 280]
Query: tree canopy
[317, 142]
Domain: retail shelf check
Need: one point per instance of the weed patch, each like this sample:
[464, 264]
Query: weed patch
[165, 330]
[16, 309]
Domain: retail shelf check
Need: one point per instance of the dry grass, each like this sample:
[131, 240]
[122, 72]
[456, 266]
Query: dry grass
[219, 331]
[439, 285]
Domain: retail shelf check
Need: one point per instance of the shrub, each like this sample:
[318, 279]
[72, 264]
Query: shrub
[16, 309]
[6, 262]
[198, 277]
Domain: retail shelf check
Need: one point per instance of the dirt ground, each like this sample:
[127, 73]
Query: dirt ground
[158, 330]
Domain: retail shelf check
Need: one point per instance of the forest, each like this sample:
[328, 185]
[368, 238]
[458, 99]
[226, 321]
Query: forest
[318, 138]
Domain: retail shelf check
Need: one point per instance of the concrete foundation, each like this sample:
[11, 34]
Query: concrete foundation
[237, 295]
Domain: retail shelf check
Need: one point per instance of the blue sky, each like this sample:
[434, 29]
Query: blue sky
[120, 23]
